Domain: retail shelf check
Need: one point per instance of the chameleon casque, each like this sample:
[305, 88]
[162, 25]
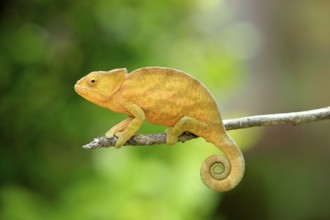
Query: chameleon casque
[172, 98]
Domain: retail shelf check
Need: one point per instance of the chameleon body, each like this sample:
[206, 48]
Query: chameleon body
[171, 98]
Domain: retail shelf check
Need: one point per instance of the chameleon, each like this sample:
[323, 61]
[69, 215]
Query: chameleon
[172, 98]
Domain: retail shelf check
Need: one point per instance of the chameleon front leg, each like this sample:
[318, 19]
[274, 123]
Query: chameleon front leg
[133, 125]
[118, 127]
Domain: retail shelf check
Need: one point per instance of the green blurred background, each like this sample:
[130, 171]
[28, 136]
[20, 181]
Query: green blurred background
[255, 56]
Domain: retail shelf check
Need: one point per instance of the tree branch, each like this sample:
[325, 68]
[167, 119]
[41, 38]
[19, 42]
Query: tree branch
[293, 118]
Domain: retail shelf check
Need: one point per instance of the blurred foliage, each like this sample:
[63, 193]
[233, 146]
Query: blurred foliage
[46, 46]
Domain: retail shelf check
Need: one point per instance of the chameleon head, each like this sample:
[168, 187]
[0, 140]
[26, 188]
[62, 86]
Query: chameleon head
[99, 86]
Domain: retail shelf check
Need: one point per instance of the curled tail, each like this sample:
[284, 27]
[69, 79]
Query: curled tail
[221, 173]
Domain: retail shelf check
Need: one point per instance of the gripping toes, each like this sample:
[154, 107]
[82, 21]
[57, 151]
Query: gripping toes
[121, 140]
[171, 139]
[110, 133]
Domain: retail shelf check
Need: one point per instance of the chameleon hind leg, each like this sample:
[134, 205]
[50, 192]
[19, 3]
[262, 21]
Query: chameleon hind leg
[186, 123]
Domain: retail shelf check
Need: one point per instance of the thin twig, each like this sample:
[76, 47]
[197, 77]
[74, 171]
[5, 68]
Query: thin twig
[293, 118]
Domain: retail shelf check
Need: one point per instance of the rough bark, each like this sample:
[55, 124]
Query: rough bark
[293, 118]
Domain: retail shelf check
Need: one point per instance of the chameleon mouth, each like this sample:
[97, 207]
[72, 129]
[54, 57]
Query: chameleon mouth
[90, 94]
[81, 90]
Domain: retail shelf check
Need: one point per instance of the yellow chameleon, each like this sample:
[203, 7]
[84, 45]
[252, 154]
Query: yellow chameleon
[172, 98]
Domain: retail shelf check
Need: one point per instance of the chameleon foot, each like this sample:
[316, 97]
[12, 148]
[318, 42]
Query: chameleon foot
[110, 133]
[171, 139]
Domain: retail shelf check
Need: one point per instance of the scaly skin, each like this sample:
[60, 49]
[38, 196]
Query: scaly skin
[171, 98]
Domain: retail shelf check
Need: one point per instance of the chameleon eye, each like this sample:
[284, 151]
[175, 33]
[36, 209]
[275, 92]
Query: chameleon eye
[92, 82]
